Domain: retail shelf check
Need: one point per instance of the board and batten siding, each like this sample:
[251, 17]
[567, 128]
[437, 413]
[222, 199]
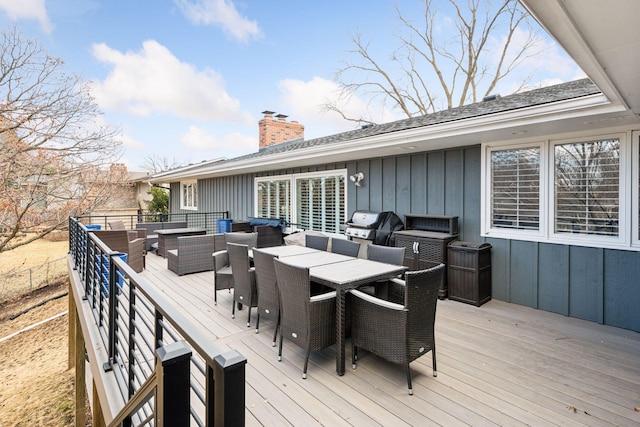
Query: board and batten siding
[600, 285]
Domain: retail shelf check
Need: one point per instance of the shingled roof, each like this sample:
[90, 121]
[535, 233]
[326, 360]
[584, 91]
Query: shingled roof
[536, 97]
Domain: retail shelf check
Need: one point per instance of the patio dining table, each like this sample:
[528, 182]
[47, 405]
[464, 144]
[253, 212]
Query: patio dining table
[341, 273]
[287, 250]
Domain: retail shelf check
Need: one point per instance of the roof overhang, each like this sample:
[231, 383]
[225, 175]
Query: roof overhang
[579, 114]
[602, 37]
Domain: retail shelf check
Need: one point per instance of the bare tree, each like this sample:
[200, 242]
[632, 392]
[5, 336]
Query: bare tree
[155, 164]
[427, 72]
[54, 153]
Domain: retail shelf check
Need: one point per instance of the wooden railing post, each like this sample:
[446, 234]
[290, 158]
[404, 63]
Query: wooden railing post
[226, 396]
[173, 389]
[78, 356]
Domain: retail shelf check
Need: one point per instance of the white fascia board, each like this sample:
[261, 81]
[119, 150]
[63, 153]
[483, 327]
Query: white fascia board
[161, 176]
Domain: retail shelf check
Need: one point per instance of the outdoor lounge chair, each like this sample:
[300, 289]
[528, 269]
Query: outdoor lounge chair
[223, 277]
[266, 283]
[117, 225]
[309, 322]
[398, 332]
[244, 279]
[125, 241]
[345, 247]
[193, 254]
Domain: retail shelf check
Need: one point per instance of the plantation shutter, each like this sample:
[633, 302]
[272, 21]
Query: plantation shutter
[320, 203]
[587, 193]
[274, 199]
[515, 189]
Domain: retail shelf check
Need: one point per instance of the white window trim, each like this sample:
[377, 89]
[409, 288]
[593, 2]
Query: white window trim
[293, 196]
[183, 206]
[627, 239]
[269, 178]
[486, 199]
[635, 188]
[589, 239]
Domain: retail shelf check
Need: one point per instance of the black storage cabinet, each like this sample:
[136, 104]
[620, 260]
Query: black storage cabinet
[425, 240]
[469, 272]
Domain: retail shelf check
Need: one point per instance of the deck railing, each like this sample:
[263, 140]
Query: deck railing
[208, 220]
[143, 335]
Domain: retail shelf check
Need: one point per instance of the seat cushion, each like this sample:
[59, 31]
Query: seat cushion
[225, 270]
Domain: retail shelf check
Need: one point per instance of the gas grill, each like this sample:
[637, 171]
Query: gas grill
[377, 227]
[363, 224]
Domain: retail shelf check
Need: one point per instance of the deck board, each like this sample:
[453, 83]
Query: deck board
[498, 364]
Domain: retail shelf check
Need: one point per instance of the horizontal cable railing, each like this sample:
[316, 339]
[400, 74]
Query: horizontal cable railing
[207, 220]
[135, 324]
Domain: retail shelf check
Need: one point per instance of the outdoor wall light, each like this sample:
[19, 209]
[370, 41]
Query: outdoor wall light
[357, 178]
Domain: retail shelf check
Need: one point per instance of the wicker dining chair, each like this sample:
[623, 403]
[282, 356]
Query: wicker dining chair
[316, 242]
[244, 279]
[309, 322]
[387, 254]
[222, 274]
[399, 333]
[266, 283]
[345, 247]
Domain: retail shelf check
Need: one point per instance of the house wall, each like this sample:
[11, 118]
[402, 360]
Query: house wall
[595, 284]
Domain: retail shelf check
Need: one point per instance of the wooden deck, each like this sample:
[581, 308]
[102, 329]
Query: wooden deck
[499, 364]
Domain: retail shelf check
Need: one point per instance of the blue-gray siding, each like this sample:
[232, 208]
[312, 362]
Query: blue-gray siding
[601, 285]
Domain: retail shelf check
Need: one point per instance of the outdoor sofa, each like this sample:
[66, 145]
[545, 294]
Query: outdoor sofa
[194, 253]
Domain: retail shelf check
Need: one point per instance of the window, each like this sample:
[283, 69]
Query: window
[587, 187]
[635, 180]
[274, 199]
[320, 202]
[189, 195]
[310, 201]
[515, 188]
[564, 191]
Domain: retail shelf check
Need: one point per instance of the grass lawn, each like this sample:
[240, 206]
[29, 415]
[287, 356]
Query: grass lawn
[37, 388]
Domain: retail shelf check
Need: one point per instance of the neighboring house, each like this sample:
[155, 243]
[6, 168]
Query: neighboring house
[140, 181]
[129, 197]
[549, 177]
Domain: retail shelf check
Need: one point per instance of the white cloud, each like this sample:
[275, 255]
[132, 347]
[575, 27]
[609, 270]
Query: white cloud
[222, 13]
[211, 146]
[155, 81]
[28, 9]
[303, 101]
[130, 142]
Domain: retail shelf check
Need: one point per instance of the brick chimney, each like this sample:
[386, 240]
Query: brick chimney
[277, 130]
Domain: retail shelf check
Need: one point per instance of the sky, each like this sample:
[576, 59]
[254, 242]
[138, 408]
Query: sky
[187, 80]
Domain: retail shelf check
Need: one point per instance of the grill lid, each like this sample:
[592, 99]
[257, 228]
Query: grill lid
[365, 219]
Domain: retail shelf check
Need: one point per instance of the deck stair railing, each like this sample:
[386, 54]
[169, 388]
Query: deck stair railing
[157, 356]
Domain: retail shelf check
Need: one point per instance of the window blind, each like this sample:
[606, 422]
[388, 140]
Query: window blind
[320, 203]
[274, 199]
[587, 178]
[515, 188]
